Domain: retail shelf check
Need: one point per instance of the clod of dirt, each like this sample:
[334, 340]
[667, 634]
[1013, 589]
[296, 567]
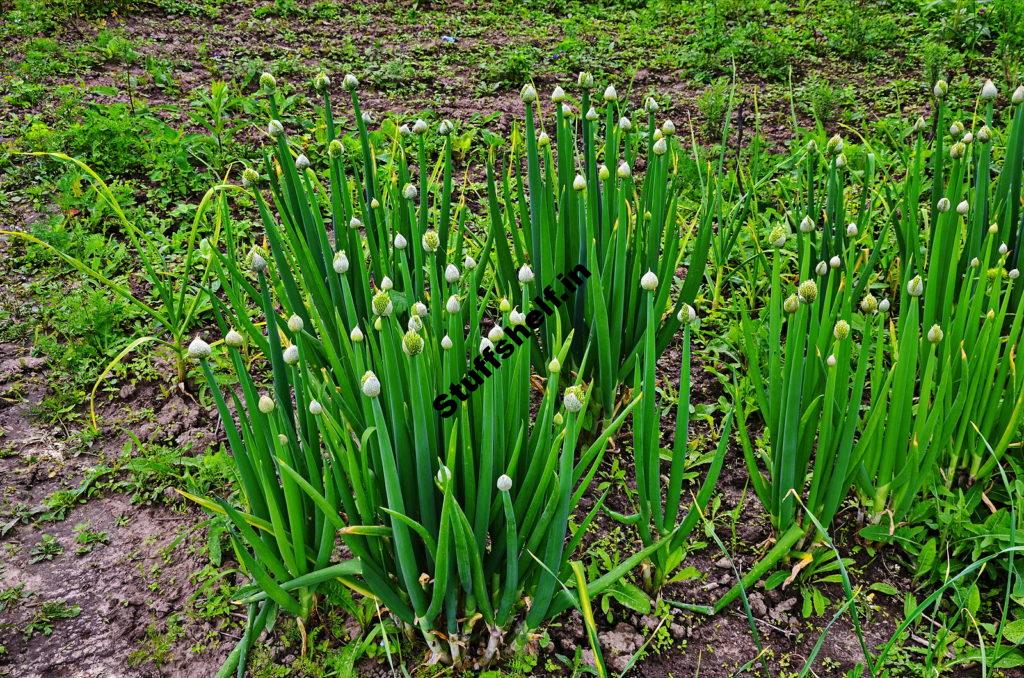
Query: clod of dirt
[619, 644]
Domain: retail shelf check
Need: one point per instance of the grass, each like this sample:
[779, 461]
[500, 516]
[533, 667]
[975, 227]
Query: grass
[744, 79]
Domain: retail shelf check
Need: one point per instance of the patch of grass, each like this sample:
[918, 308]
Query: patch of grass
[48, 614]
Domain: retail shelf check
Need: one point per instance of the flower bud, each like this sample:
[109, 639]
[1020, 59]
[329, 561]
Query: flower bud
[419, 309]
[451, 274]
[943, 205]
[579, 183]
[295, 323]
[504, 483]
[275, 128]
[469, 263]
[592, 114]
[404, 130]
[233, 338]
[250, 177]
[525, 274]
[321, 82]
[414, 324]
[585, 80]
[660, 147]
[868, 304]
[412, 343]
[1003, 249]
[687, 314]
[267, 82]
[485, 345]
[835, 262]
[557, 420]
[381, 303]
[975, 262]
[940, 89]
[528, 94]
[266, 404]
[453, 306]
[446, 343]
[315, 408]
[841, 160]
[835, 145]
[443, 475]
[624, 171]
[610, 94]
[841, 330]
[968, 138]
[649, 281]
[883, 306]
[410, 192]
[367, 118]
[516, 317]
[806, 224]
[603, 173]
[400, 241]
[956, 130]
[419, 127]
[374, 203]
[198, 349]
[496, 334]
[504, 306]
[988, 90]
[935, 334]
[291, 354]
[915, 287]
[543, 140]
[957, 150]
[356, 335]
[821, 268]
[650, 105]
[554, 366]
[851, 230]
[445, 128]
[963, 208]
[335, 149]
[777, 237]
[625, 124]
[808, 291]
[573, 399]
[566, 110]
[984, 134]
[558, 95]
[1013, 274]
[430, 241]
[370, 385]
[921, 124]
[791, 304]
[1018, 95]
[354, 222]
[340, 262]
[350, 82]
[386, 284]
[257, 263]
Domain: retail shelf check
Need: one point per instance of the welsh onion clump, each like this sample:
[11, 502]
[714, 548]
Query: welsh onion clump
[891, 402]
[446, 521]
[582, 203]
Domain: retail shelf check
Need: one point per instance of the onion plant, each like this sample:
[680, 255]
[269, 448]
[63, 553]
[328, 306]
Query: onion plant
[582, 202]
[453, 511]
[659, 497]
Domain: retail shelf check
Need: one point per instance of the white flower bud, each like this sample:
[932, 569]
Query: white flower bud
[504, 483]
[957, 150]
[915, 287]
[386, 284]
[625, 124]
[451, 274]
[624, 171]
[446, 343]
[660, 147]
[821, 268]
[496, 334]
[370, 385]
[579, 183]
[528, 94]
[968, 138]
[267, 82]
[610, 94]
[806, 225]
[573, 399]
[412, 343]
[943, 205]
[835, 262]
[963, 208]
[516, 317]
[558, 95]
[266, 404]
[453, 305]
[1018, 95]
[566, 110]
[841, 330]
[831, 360]
[233, 338]
[295, 323]
[275, 128]
[414, 324]
[504, 306]
[668, 128]
[592, 114]
[791, 304]
[301, 162]
[291, 354]
[381, 303]
[835, 145]
[340, 262]
[841, 160]
[356, 335]
[430, 241]
[419, 309]
[410, 192]
[956, 130]
[554, 366]
[525, 274]
[350, 82]
[777, 237]
[258, 264]
[807, 291]
[851, 230]
[543, 139]
[404, 130]
[940, 89]
[355, 223]
[687, 314]
[198, 349]
[984, 134]
[602, 172]
[1013, 274]
[650, 105]
[367, 118]
[469, 263]
[445, 128]
[400, 241]
[315, 408]
[1003, 249]
[935, 334]
[585, 80]
[884, 305]
[419, 127]
[485, 345]
[975, 262]
[988, 90]
[649, 281]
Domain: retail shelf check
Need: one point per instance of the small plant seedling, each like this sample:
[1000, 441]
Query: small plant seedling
[48, 548]
[88, 539]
